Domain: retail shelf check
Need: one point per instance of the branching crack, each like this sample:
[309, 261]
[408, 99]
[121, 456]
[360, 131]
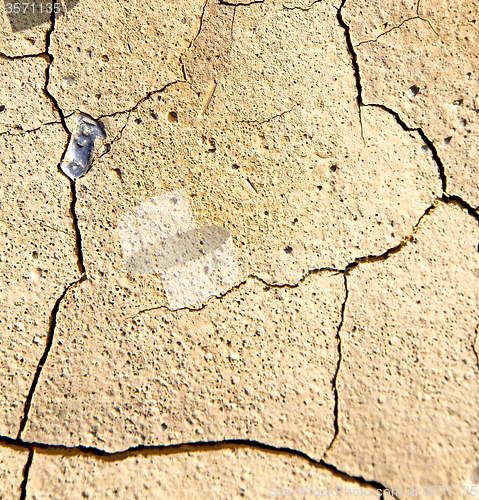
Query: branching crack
[395, 114]
[117, 138]
[62, 116]
[178, 449]
[43, 359]
[147, 96]
[352, 265]
[417, 16]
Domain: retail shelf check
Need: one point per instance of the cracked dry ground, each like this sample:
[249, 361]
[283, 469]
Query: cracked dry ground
[337, 143]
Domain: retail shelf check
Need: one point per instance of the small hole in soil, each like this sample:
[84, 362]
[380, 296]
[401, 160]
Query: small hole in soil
[320, 187]
[463, 123]
[447, 140]
[153, 115]
[138, 120]
[288, 250]
[266, 212]
[105, 58]
[235, 167]
[424, 148]
[2, 108]
[333, 168]
[295, 220]
[172, 117]
[414, 90]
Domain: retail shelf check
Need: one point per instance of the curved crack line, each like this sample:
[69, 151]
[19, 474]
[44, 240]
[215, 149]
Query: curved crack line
[29, 131]
[309, 273]
[475, 344]
[304, 9]
[147, 96]
[193, 40]
[43, 359]
[396, 249]
[366, 259]
[199, 27]
[279, 115]
[417, 16]
[6, 57]
[181, 448]
[395, 114]
[338, 367]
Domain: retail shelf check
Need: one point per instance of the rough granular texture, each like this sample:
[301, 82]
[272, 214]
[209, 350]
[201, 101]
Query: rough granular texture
[313, 296]
[407, 383]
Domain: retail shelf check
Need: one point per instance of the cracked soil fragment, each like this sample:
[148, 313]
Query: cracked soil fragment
[118, 52]
[223, 474]
[257, 364]
[37, 255]
[304, 180]
[408, 381]
[23, 104]
[428, 73]
[23, 43]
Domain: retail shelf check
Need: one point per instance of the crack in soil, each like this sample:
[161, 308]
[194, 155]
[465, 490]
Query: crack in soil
[447, 199]
[176, 449]
[147, 96]
[26, 472]
[43, 359]
[338, 367]
[475, 345]
[239, 4]
[279, 115]
[417, 16]
[239, 285]
[6, 57]
[304, 9]
[395, 114]
[29, 131]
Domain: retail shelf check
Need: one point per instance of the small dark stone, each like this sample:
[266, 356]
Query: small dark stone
[414, 90]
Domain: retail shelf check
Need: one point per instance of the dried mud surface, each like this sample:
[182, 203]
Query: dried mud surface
[335, 145]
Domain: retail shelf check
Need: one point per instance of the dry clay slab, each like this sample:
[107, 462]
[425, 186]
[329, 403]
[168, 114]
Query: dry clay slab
[12, 463]
[408, 379]
[420, 59]
[38, 259]
[217, 474]
[23, 105]
[257, 364]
